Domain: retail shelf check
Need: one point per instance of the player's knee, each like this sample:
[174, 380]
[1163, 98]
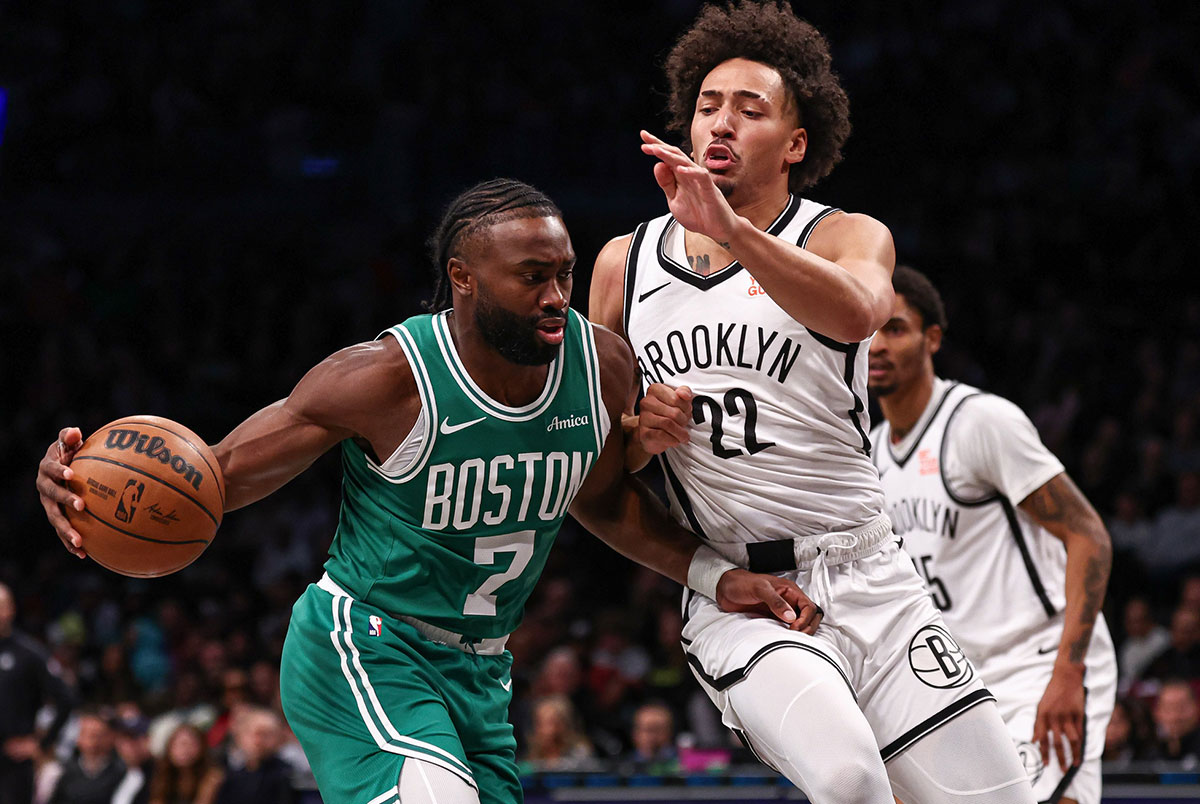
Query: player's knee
[850, 780]
[425, 783]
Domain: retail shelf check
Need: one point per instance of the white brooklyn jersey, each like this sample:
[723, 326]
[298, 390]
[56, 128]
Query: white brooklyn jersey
[997, 576]
[779, 445]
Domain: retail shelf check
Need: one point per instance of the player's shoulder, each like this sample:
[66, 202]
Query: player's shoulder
[616, 363]
[840, 228]
[371, 371]
[986, 416]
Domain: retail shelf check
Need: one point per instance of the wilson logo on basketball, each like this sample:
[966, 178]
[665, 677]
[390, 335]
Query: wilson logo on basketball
[153, 447]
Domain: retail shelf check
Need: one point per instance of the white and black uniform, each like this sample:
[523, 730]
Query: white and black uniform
[777, 477]
[953, 485]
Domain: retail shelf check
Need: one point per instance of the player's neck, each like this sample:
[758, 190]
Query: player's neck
[903, 407]
[506, 382]
[760, 208]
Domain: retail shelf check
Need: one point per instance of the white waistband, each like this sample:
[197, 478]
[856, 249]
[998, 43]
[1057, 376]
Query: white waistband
[483, 647]
[836, 547]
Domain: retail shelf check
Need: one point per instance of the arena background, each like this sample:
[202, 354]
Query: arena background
[197, 203]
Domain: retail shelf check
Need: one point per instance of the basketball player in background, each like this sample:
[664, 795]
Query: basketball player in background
[1014, 556]
[465, 437]
[749, 310]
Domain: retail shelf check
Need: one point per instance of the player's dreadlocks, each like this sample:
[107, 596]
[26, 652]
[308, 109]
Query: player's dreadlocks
[470, 214]
[771, 34]
[921, 295]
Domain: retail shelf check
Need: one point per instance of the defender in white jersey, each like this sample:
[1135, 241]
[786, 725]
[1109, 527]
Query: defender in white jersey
[749, 310]
[1014, 556]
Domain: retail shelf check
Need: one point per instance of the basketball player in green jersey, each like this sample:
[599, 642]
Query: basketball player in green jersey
[466, 436]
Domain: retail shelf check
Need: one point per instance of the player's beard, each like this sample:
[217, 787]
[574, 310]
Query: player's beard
[883, 390]
[512, 335]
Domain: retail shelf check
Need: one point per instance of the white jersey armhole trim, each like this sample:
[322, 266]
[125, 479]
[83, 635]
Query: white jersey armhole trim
[410, 457]
[601, 423]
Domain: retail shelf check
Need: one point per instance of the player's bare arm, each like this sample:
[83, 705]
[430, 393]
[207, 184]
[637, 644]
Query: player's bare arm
[627, 516]
[839, 285]
[1060, 507]
[665, 412]
[365, 391]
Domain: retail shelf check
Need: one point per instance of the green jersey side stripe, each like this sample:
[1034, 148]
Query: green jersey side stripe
[445, 341]
[428, 403]
[592, 363]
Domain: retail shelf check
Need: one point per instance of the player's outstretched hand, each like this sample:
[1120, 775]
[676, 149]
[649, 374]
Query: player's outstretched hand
[692, 196]
[1060, 717]
[742, 590]
[663, 417]
[53, 473]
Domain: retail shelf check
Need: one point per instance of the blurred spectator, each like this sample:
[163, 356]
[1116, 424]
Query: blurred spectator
[653, 739]
[1145, 640]
[1130, 734]
[235, 693]
[27, 681]
[184, 774]
[1177, 722]
[190, 707]
[133, 746]
[256, 774]
[92, 775]
[114, 681]
[556, 741]
[615, 679]
[1176, 543]
[1182, 658]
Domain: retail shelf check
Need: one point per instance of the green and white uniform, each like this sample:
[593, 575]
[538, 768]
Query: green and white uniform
[399, 650]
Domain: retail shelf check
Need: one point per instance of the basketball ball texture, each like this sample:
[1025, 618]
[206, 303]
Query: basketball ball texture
[153, 496]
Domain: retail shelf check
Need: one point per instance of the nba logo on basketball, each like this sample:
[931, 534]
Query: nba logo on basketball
[376, 625]
[125, 505]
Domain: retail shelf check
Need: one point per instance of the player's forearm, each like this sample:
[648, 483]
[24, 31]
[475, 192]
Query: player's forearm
[638, 527]
[266, 451]
[1060, 507]
[636, 456]
[822, 295]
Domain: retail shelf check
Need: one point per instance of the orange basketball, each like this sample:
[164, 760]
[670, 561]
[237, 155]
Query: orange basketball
[153, 496]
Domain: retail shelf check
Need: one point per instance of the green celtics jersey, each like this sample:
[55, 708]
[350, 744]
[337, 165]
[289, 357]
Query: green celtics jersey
[456, 527]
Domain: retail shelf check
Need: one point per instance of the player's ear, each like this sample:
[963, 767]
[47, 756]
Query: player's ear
[933, 338]
[797, 146]
[460, 276]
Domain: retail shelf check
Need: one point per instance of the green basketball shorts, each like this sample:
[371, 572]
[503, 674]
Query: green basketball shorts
[364, 691]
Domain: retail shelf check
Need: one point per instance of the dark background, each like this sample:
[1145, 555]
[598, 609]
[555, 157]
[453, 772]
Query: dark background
[199, 202]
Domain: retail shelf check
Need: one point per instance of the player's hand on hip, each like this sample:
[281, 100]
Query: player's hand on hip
[663, 417]
[1060, 717]
[53, 473]
[742, 590]
[692, 196]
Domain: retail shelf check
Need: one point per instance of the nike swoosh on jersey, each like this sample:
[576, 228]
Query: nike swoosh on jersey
[507, 685]
[652, 291]
[447, 428]
[1044, 651]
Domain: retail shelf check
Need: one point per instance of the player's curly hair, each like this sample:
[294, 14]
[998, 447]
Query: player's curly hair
[921, 295]
[475, 209]
[771, 34]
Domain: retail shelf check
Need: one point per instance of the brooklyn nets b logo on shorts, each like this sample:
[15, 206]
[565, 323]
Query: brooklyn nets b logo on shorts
[937, 660]
[1031, 759]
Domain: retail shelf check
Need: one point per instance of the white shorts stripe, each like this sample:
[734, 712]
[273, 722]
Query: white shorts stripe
[388, 797]
[455, 766]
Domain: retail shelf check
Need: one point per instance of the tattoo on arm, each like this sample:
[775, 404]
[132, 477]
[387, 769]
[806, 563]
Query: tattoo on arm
[1061, 508]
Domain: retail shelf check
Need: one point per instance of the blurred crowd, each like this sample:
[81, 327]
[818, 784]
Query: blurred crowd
[197, 204]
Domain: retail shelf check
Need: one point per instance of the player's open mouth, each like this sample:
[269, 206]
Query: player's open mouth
[718, 157]
[878, 369]
[552, 330]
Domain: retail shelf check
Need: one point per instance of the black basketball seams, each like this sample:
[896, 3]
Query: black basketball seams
[144, 538]
[156, 479]
[218, 478]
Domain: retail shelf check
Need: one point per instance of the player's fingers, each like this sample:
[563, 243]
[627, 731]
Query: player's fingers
[666, 179]
[62, 528]
[1072, 729]
[775, 602]
[664, 431]
[673, 158]
[1060, 747]
[1041, 738]
[51, 484]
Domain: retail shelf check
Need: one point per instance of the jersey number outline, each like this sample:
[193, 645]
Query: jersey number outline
[942, 600]
[482, 602]
[701, 403]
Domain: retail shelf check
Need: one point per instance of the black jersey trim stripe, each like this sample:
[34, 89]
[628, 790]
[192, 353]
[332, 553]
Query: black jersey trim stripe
[688, 593]
[140, 536]
[681, 496]
[901, 461]
[931, 724]
[942, 459]
[717, 277]
[850, 350]
[1018, 535]
[802, 241]
[144, 473]
[727, 680]
[745, 740]
[1061, 788]
[631, 263]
